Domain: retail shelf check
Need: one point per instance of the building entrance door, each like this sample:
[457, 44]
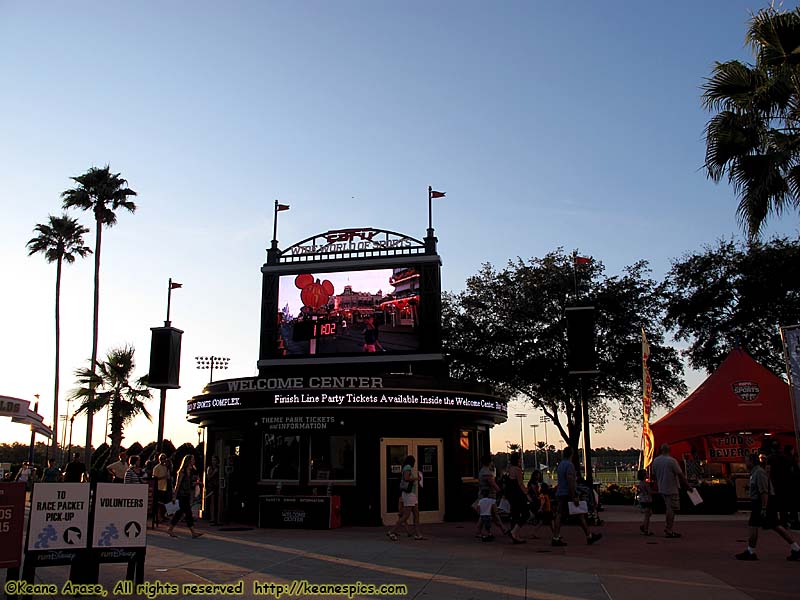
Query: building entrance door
[429, 463]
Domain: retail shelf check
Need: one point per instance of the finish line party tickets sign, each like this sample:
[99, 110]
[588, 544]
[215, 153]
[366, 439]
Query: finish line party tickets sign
[59, 517]
[120, 515]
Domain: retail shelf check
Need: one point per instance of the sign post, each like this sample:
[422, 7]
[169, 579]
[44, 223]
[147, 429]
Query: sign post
[12, 518]
[119, 532]
[58, 527]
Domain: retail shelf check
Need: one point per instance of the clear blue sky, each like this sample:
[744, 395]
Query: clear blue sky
[547, 123]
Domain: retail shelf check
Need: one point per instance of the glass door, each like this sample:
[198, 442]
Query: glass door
[428, 455]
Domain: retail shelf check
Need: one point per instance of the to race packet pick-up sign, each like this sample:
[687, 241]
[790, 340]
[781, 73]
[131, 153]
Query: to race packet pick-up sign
[59, 516]
[120, 515]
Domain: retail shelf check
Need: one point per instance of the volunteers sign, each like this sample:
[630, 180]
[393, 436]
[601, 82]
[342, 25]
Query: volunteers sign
[120, 515]
[59, 516]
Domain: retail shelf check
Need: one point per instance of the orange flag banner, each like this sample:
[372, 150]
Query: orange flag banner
[648, 439]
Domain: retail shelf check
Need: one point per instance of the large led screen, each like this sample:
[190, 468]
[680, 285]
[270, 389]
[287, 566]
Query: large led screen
[350, 313]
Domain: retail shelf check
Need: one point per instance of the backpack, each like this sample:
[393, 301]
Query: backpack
[406, 486]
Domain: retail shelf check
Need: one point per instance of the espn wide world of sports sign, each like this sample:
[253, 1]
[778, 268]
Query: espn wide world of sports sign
[341, 392]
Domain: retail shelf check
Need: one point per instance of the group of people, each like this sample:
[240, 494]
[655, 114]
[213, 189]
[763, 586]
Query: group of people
[528, 502]
[180, 487]
[74, 472]
[773, 498]
[535, 501]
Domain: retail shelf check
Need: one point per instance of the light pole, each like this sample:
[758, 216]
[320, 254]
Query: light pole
[71, 423]
[543, 419]
[521, 441]
[212, 362]
[60, 458]
[33, 431]
[535, 448]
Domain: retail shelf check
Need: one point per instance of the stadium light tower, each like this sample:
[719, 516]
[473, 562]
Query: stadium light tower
[521, 441]
[212, 362]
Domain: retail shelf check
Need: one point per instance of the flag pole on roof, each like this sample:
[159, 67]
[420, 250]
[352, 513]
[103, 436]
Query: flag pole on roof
[278, 208]
[432, 194]
[578, 260]
[172, 286]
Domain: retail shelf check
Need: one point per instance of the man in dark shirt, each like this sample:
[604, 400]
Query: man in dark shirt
[779, 468]
[75, 470]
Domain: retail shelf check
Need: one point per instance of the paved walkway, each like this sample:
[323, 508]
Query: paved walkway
[451, 563]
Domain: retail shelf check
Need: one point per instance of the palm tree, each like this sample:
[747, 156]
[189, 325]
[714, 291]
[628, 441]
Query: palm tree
[754, 138]
[102, 192]
[109, 385]
[60, 240]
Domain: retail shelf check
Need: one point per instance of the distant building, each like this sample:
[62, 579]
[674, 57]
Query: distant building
[402, 305]
[350, 303]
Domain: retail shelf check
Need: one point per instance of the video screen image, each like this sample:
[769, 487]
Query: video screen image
[352, 312]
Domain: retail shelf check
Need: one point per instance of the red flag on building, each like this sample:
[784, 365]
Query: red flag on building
[174, 286]
[281, 207]
[435, 194]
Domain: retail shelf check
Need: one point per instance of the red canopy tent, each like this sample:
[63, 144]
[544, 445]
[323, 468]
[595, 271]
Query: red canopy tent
[739, 397]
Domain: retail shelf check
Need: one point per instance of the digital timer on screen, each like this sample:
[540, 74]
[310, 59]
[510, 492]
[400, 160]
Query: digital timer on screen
[352, 312]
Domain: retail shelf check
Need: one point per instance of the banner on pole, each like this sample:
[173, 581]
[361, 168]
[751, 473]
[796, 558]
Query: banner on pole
[791, 349]
[648, 439]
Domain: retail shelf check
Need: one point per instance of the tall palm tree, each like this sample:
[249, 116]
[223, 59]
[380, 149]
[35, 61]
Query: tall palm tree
[60, 240]
[110, 385]
[754, 138]
[101, 192]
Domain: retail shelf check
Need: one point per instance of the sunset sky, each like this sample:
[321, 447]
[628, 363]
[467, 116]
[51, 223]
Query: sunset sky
[548, 124]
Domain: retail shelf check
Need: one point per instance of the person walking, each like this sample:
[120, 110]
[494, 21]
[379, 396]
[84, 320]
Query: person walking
[566, 492]
[184, 485]
[161, 474]
[212, 490]
[644, 496]
[409, 482]
[517, 494]
[487, 509]
[488, 485]
[669, 477]
[371, 343]
[52, 473]
[75, 471]
[764, 513]
[25, 475]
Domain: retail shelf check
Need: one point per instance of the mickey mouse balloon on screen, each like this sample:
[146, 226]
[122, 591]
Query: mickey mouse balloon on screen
[313, 294]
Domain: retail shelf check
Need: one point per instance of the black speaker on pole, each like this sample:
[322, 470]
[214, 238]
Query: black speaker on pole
[165, 358]
[581, 354]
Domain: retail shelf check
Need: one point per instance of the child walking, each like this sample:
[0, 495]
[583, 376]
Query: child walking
[486, 507]
[545, 506]
[644, 495]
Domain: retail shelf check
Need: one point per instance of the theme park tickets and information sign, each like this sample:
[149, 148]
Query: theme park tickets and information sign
[120, 516]
[59, 516]
[12, 518]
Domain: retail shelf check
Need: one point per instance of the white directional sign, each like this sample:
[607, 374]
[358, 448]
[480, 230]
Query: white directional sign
[120, 515]
[59, 516]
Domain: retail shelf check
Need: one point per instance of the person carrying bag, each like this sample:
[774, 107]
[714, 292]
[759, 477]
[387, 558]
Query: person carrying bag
[183, 494]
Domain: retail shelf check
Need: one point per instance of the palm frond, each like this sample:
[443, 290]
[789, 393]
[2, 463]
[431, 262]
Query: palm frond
[60, 239]
[102, 192]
